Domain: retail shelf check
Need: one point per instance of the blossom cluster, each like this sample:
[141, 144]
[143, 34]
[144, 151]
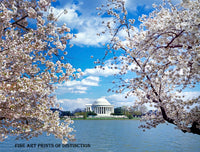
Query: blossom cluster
[164, 54]
[31, 61]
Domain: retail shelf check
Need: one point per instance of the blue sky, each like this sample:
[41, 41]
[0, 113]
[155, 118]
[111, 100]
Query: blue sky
[83, 20]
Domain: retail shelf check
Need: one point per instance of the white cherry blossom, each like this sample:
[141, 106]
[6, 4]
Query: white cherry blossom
[165, 54]
[30, 62]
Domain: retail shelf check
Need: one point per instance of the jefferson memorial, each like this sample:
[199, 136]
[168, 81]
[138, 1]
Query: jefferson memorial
[101, 107]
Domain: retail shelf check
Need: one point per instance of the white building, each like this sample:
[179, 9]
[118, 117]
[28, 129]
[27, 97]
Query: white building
[101, 107]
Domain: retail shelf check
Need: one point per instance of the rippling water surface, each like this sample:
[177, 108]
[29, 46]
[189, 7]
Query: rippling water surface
[111, 136]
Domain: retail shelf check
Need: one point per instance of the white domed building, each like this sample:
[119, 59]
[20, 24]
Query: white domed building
[101, 107]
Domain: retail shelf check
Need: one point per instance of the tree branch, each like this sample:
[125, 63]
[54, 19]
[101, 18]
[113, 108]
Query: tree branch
[16, 22]
[192, 129]
[27, 29]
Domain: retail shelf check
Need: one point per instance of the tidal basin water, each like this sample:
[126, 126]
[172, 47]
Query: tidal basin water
[110, 136]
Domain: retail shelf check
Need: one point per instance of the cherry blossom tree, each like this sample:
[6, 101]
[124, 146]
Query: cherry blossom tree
[32, 50]
[160, 60]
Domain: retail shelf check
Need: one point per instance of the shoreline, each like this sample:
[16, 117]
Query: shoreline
[103, 118]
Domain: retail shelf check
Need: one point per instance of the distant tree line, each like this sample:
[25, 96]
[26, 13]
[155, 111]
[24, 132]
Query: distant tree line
[130, 112]
[76, 112]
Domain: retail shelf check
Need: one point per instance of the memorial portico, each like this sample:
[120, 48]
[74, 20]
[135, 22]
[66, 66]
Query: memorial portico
[101, 107]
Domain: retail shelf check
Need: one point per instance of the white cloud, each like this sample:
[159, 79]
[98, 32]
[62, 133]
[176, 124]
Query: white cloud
[119, 100]
[89, 37]
[88, 25]
[76, 86]
[189, 95]
[71, 18]
[110, 69]
[100, 72]
[90, 81]
[88, 30]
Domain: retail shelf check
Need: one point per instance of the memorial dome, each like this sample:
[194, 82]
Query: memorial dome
[102, 102]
